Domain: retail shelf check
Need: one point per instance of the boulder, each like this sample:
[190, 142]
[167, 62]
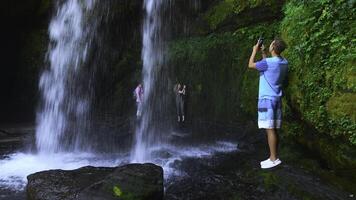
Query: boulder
[129, 182]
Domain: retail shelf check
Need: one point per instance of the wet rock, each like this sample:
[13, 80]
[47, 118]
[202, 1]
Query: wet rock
[134, 181]
[237, 175]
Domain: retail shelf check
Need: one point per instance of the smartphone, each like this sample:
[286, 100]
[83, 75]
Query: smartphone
[260, 42]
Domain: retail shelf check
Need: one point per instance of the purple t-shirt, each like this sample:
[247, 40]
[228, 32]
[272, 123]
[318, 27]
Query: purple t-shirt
[273, 72]
[139, 94]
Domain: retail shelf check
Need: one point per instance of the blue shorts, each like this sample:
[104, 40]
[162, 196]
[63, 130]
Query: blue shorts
[269, 113]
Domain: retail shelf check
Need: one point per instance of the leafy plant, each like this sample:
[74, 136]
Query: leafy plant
[322, 56]
[117, 191]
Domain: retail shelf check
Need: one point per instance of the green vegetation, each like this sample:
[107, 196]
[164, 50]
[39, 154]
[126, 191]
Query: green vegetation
[225, 9]
[270, 180]
[214, 67]
[319, 103]
[322, 57]
[219, 13]
[117, 191]
[121, 195]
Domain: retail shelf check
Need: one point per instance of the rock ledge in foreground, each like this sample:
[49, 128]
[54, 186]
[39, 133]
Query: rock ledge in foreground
[129, 182]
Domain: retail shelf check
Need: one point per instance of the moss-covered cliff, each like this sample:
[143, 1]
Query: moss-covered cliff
[214, 68]
[214, 63]
[321, 90]
[319, 102]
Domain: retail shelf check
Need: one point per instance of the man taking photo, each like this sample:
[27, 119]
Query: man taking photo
[273, 71]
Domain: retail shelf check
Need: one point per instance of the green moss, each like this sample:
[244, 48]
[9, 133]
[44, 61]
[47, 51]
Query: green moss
[226, 9]
[241, 5]
[121, 192]
[342, 105]
[215, 69]
[249, 93]
[350, 76]
[322, 70]
[336, 154]
[219, 13]
[270, 180]
[339, 157]
[301, 194]
[292, 128]
[273, 182]
[117, 191]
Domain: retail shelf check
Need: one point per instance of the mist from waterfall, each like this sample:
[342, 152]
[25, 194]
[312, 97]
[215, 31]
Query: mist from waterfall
[65, 86]
[64, 118]
[155, 124]
[152, 57]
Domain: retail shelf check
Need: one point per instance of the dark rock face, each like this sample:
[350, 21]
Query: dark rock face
[24, 41]
[134, 181]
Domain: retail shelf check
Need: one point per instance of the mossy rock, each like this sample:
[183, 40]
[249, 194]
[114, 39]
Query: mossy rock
[350, 77]
[336, 154]
[249, 93]
[214, 67]
[270, 180]
[241, 13]
[128, 182]
[342, 104]
[322, 72]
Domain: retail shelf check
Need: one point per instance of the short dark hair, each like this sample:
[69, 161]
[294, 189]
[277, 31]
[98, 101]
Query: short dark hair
[279, 45]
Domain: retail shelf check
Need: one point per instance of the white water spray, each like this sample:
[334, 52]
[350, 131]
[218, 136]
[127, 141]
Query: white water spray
[155, 125]
[63, 101]
[153, 58]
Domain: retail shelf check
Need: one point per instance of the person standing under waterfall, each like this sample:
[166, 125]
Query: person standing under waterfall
[273, 72]
[138, 93]
[180, 92]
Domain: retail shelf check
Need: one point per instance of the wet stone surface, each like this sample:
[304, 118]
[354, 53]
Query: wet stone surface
[133, 181]
[13, 138]
[237, 175]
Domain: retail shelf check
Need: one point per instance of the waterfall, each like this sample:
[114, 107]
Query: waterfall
[154, 126]
[153, 60]
[65, 86]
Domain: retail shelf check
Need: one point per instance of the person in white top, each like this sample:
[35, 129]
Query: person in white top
[139, 99]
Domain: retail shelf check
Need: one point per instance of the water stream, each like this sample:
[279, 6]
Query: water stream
[153, 51]
[155, 124]
[62, 121]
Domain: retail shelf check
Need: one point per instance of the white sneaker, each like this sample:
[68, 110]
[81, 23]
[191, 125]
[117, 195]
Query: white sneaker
[269, 163]
[265, 161]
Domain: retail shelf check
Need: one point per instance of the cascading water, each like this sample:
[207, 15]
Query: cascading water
[153, 59]
[64, 121]
[154, 126]
[65, 86]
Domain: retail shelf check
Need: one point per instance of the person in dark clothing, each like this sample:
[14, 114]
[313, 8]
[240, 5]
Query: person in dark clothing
[180, 92]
